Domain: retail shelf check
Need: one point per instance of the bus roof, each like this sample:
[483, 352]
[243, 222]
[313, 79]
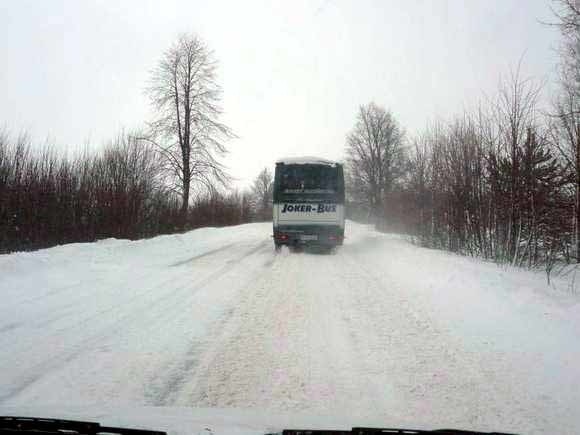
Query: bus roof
[306, 161]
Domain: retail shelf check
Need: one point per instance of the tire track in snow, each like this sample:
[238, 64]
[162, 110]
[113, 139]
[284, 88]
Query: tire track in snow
[203, 255]
[131, 310]
[162, 390]
[72, 307]
[284, 347]
[202, 380]
[426, 366]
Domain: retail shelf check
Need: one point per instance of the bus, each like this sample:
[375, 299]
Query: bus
[308, 202]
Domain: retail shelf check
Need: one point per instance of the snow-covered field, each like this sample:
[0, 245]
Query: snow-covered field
[380, 333]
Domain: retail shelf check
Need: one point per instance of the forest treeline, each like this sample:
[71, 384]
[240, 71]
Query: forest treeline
[118, 191]
[500, 182]
[497, 183]
[167, 178]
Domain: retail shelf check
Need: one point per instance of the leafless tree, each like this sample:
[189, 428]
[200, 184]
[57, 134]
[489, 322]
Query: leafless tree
[47, 198]
[262, 191]
[566, 137]
[186, 97]
[515, 111]
[566, 132]
[489, 184]
[567, 13]
[375, 156]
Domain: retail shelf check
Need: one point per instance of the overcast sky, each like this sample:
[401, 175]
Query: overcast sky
[293, 73]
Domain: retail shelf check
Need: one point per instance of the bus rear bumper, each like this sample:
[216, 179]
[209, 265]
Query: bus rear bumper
[309, 236]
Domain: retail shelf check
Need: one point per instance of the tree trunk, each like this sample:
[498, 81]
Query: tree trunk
[184, 202]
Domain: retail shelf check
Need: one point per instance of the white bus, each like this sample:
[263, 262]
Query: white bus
[308, 202]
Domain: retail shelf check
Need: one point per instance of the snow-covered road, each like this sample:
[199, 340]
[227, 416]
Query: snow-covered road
[381, 332]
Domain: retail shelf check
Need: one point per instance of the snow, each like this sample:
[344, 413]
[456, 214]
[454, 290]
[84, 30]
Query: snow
[213, 329]
[306, 161]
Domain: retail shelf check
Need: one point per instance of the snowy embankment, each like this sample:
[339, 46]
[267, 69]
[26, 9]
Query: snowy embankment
[380, 333]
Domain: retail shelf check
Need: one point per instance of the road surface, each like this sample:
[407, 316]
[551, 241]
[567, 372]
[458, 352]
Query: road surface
[380, 332]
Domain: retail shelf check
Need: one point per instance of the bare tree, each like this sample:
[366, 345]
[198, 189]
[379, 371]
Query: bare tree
[375, 156]
[262, 191]
[515, 111]
[567, 105]
[187, 131]
[47, 198]
[566, 137]
[567, 13]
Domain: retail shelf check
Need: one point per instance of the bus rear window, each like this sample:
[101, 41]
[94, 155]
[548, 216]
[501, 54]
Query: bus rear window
[308, 179]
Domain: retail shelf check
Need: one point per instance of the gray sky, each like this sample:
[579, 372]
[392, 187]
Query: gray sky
[293, 73]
